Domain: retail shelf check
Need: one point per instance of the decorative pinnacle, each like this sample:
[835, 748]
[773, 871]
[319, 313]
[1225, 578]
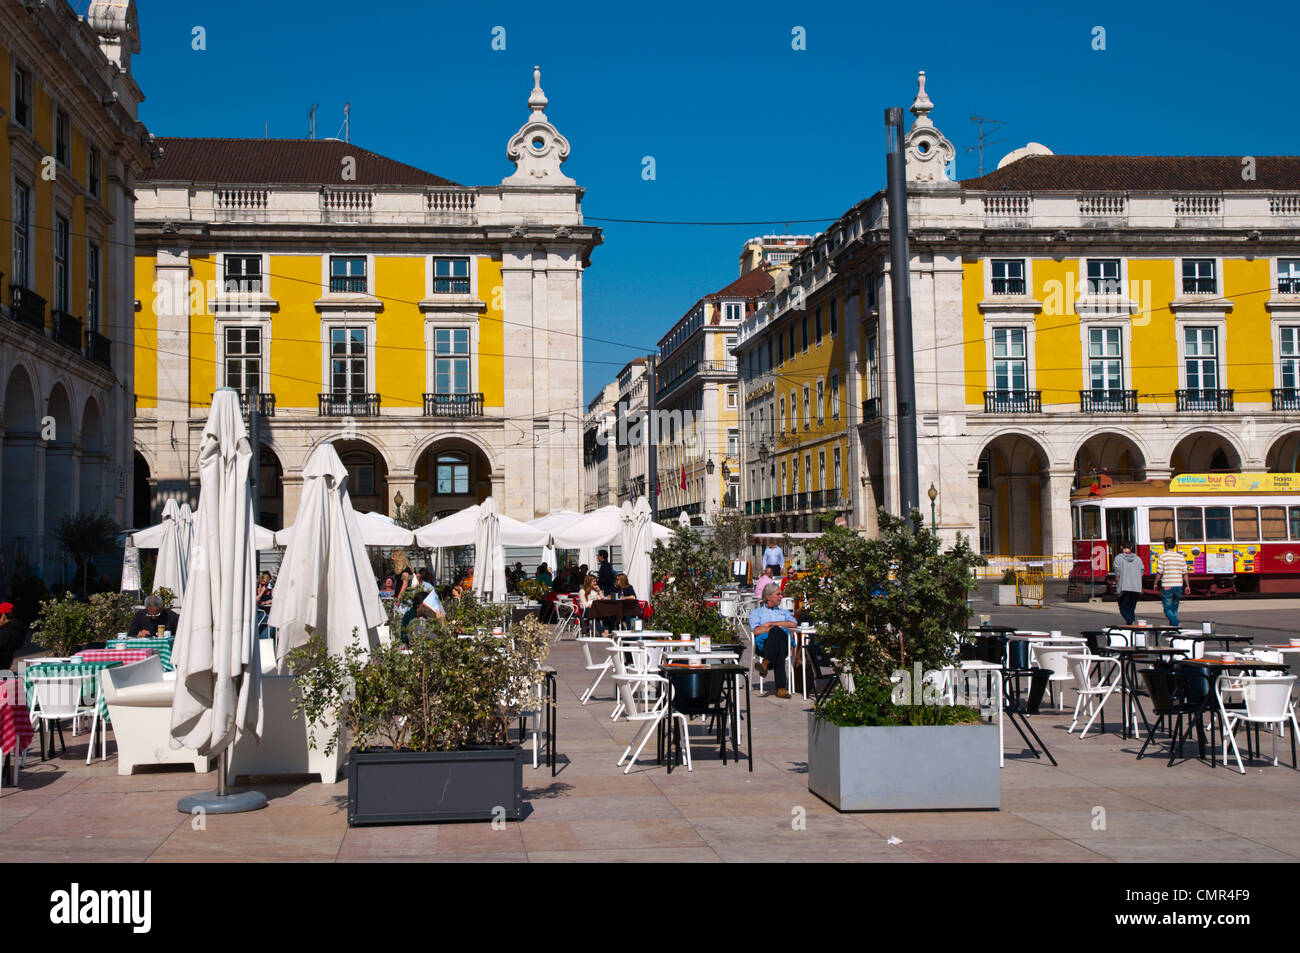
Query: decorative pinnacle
[921, 106]
[537, 100]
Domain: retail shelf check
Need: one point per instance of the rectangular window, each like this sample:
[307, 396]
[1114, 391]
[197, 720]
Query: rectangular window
[1295, 522]
[733, 443]
[348, 362]
[92, 287]
[22, 216]
[23, 98]
[1103, 276]
[781, 419]
[835, 395]
[873, 366]
[807, 471]
[794, 411]
[92, 171]
[1160, 521]
[1218, 524]
[348, 274]
[733, 311]
[1245, 524]
[451, 276]
[818, 327]
[836, 459]
[821, 402]
[1201, 358]
[804, 336]
[1008, 276]
[451, 361]
[794, 475]
[62, 136]
[1105, 359]
[807, 407]
[732, 396]
[1198, 276]
[780, 349]
[244, 358]
[769, 354]
[243, 273]
[821, 469]
[62, 235]
[792, 340]
[1288, 276]
[835, 321]
[1190, 525]
[1010, 367]
[1272, 523]
[1289, 341]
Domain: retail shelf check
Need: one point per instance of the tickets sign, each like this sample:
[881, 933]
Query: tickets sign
[1235, 483]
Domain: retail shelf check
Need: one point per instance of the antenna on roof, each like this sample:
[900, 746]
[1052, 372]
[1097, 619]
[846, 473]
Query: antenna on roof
[983, 137]
[267, 131]
[311, 120]
[346, 128]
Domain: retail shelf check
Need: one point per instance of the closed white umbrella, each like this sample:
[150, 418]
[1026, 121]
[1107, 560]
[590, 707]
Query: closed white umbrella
[638, 540]
[325, 582]
[218, 686]
[683, 519]
[489, 557]
[171, 538]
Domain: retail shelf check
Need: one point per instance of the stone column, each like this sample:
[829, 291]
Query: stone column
[403, 482]
[518, 364]
[172, 460]
[1056, 512]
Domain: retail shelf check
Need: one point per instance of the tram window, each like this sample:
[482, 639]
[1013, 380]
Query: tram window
[1091, 516]
[1160, 520]
[1245, 524]
[1272, 520]
[1074, 515]
[1218, 524]
[1190, 529]
[1295, 522]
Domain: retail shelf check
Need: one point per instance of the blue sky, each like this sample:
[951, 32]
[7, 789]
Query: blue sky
[742, 127]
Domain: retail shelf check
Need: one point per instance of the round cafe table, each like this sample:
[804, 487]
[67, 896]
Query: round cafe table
[614, 612]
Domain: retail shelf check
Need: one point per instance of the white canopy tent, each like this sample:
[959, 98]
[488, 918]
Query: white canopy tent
[326, 584]
[462, 529]
[560, 520]
[599, 528]
[376, 530]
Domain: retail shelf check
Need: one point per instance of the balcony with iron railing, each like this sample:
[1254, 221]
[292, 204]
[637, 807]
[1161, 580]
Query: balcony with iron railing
[66, 330]
[1286, 398]
[99, 349]
[870, 409]
[348, 405]
[348, 284]
[453, 405]
[1204, 400]
[833, 496]
[1013, 402]
[27, 307]
[777, 504]
[816, 500]
[1108, 401]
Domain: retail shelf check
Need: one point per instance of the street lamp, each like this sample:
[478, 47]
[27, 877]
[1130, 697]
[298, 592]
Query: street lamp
[398, 500]
[709, 467]
[933, 494]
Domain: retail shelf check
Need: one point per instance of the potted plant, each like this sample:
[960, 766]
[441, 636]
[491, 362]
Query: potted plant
[890, 611]
[63, 626]
[694, 566]
[1005, 594]
[110, 614]
[428, 725]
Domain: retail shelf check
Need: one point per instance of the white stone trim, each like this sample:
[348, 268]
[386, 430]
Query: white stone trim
[993, 300]
[453, 322]
[1125, 343]
[365, 319]
[1011, 321]
[1290, 319]
[1220, 324]
[235, 319]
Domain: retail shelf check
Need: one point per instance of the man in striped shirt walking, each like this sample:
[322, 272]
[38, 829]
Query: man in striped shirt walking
[1171, 579]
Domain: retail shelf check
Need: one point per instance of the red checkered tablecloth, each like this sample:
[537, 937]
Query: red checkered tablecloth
[125, 656]
[15, 720]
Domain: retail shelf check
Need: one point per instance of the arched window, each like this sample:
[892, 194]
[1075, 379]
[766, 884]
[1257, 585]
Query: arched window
[451, 474]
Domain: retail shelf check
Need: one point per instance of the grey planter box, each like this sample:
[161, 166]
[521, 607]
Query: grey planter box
[1004, 595]
[929, 768]
[404, 787]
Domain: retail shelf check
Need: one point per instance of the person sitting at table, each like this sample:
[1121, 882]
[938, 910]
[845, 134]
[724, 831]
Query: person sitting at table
[771, 627]
[13, 634]
[622, 588]
[544, 575]
[147, 620]
[587, 594]
[265, 592]
[386, 590]
[763, 582]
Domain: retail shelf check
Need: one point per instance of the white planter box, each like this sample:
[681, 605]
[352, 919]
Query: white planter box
[283, 747]
[904, 768]
[1005, 596]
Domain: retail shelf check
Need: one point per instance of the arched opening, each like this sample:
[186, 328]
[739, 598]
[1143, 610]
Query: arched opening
[270, 490]
[451, 475]
[367, 475]
[60, 480]
[1111, 454]
[1013, 497]
[94, 461]
[874, 488]
[1284, 455]
[1204, 453]
[141, 492]
[18, 498]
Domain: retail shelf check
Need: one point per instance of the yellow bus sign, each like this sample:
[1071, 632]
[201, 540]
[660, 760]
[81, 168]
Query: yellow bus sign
[1235, 483]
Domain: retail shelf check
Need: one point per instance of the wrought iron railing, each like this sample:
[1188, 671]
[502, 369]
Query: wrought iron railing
[1013, 402]
[453, 405]
[349, 405]
[871, 408]
[27, 307]
[1108, 401]
[67, 330]
[1204, 400]
[99, 349]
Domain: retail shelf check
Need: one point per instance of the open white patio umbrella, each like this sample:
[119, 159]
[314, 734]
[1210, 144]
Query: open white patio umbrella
[461, 529]
[171, 538]
[489, 557]
[559, 520]
[218, 685]
[638, 541]
[325, 582]
[599, 528]
[376, 530]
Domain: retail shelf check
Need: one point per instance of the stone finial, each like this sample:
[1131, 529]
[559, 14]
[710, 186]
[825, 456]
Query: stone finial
[537, 99]
[921, 106]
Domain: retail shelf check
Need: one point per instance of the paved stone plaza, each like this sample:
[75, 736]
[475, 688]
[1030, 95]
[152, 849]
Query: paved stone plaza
[1101, 804]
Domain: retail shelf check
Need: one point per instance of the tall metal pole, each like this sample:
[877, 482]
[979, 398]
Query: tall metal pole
[901, 285]
[652, 454]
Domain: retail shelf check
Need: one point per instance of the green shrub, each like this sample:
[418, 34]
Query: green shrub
[110, 613]
[63, 625]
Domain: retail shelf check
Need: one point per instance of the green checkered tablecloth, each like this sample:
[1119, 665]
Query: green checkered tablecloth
[65, 669]
[163, 647]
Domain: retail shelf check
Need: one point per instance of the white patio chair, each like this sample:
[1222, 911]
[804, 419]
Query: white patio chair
[56, 698]
[987, 680]
[566, 612]
[601, 668]
[1091, 685]
[648, 716]
[1054, 658]
[1268, 702]
[627, 660]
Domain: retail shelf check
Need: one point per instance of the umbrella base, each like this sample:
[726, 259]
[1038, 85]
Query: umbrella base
[235, 802]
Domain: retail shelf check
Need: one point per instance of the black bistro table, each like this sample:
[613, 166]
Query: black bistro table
[1016, 708]
[614, 612]
[1199, 676]
[728, 673]
[1128, 656]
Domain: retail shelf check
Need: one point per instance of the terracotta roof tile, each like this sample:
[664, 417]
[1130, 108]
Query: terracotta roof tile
[1140, 173]
[279, 162]
[752, 284]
